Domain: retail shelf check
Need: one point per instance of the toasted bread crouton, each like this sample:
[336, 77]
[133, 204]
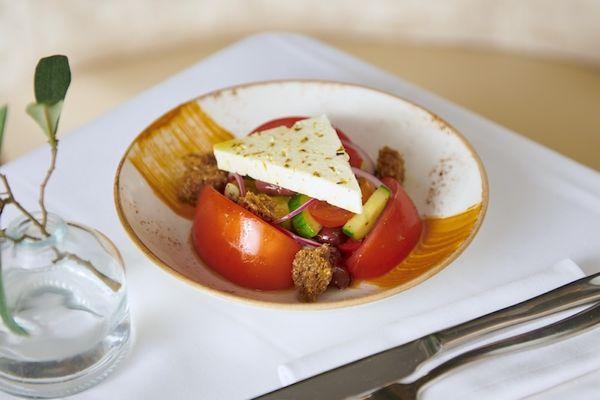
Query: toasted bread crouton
[312, 271]
[200, 170]
[390, 163]
[260, 204]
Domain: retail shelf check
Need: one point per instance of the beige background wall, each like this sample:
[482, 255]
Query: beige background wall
[89, 30]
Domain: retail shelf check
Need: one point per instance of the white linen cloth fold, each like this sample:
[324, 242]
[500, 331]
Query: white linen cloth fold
[415, 326]
[191, 345]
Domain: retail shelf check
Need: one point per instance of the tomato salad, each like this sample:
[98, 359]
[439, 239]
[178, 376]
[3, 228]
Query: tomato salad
[266, 237]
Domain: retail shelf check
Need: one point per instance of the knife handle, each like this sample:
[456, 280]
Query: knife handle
[576, 324]
[580, 292]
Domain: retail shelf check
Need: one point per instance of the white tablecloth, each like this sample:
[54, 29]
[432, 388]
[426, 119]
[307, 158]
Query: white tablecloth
[543, 208]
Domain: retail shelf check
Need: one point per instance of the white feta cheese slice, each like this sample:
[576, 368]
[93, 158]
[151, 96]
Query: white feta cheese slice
[307, 158]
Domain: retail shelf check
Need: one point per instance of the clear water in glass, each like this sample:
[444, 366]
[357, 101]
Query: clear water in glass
[67, 292]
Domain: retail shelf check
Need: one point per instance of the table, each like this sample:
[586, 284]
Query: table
[543, 207]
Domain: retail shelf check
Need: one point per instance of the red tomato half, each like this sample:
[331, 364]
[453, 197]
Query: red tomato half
[349, 246]
[329, 216]
[240, 246]
[396, 233]
[355, 158]
[274, 123]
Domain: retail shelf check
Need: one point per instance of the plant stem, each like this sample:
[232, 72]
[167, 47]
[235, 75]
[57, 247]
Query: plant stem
[42, 201]
[11, 199]
[60, 255]
[17, 240]
[5, 313]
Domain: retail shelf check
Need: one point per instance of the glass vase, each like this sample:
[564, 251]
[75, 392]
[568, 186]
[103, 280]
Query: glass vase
[66, 324]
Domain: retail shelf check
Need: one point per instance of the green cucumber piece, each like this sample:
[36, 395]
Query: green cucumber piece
[360, 225]
[282, 209]
[304, 224]
[297, 200]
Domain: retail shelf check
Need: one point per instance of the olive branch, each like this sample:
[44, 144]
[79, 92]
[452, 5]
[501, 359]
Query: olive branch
[51, 81]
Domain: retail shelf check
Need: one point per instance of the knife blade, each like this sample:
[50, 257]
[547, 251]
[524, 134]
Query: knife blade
[359, 376]
[391, 365]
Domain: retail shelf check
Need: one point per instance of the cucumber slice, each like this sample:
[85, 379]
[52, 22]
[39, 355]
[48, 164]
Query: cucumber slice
[360, 225]
[297, 200]
[281, 209]
[304, 224]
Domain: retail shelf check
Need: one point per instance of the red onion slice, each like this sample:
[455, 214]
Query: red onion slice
[272, 189]
[302, 240]
[240, 182]
[369, 164]
[370, 177]
[295, 212]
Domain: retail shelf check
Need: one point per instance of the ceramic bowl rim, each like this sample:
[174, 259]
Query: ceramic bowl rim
[299, 305]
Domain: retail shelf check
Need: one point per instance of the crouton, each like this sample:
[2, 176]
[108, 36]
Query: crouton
[390, 163]
[200, 170]
[312, 271]
[260, 204]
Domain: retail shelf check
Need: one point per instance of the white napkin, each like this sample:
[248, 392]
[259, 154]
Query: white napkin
[191, 345]
[524, 373]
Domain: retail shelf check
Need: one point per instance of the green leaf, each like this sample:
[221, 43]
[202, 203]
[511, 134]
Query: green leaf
[47, 117]
[52, 79]
[3, 113]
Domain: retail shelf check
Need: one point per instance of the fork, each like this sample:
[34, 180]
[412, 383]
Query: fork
[563, 329]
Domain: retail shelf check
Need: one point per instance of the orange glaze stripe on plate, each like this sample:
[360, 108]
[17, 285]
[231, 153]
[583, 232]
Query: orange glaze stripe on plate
[158, 153]
[441, 237]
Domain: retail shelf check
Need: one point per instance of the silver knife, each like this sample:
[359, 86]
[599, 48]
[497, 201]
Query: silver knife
[576, 324]
[380, 369]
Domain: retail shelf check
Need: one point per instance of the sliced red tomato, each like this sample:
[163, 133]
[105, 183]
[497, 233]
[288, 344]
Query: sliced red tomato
[329, 216]
[396, 233]
[350, 246]
[355, 158]
[274, 123]
[366, 188]
[342, 135]
[240, 246]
